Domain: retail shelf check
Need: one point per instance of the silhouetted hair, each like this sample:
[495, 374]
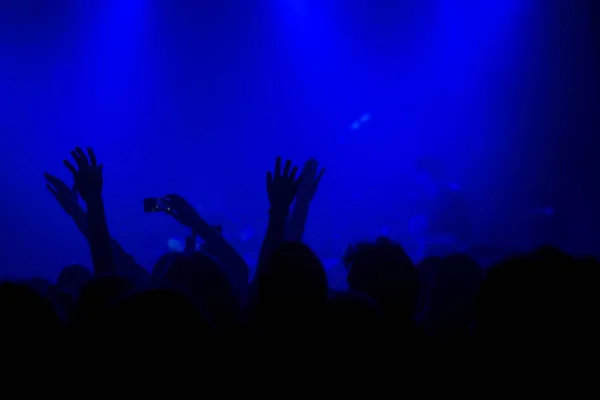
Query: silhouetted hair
[97, 296]
[73, 278]
[25, 314]
[538, 295]
[293, 283]
[385, 272]
[206, 283]
[158, 313]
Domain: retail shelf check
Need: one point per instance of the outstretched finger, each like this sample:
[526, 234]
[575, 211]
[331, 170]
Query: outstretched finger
[277, 167]
[92, 157]
[82, 156]
[307, 165]
[306, 169]
[75, 157]
[296, 184]
[314, 167]
[286, 168]
[269, 180]
[321, 173]
[52, 179]
[51, 189]
[293, 173]
[70, 167]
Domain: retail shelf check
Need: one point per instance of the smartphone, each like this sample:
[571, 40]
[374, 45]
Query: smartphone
[156, 204]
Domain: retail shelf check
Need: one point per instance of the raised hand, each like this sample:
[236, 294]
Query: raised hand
[282, 186]
[182, 211]
[307, 187]
[87, 175]
[66, 196]
[88, 183]
[310, 177]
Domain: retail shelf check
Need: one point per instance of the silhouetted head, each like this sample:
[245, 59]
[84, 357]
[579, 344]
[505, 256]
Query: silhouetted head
[97, 296]
[352, 315]
[160, 268]
[450, 297]
[384, 272]
[165, 318]
[73, 278]
[546, 294]
[205, 282]
[292, 285]
[24, 314]
[38, 285]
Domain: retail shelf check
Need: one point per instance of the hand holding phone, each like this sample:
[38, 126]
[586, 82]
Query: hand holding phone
[177, 207]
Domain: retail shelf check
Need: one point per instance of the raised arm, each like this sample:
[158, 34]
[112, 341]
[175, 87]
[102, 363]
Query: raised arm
[68, 200]
[281, 189]
[88, 183]
[309, 183]
[219, 247]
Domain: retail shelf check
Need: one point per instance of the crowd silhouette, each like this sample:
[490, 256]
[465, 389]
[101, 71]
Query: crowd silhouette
[201, 308]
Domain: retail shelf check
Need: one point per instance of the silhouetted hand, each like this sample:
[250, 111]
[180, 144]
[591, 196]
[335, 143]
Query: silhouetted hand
[66, 196]
[282, 187]
[309, 180]
[87, 175]
[182, 211]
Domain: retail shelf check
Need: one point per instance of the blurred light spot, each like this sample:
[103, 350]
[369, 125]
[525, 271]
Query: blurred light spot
[176, 245]
[359, 123]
